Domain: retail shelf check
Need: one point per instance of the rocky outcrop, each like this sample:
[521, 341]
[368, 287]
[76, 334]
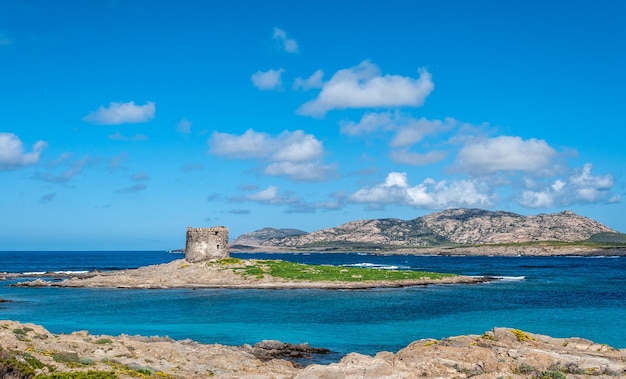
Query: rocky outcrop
[499, 353]
[271, 349]
[450, 227]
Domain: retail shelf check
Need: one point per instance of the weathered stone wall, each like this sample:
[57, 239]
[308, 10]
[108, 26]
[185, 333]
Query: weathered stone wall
[206, 243]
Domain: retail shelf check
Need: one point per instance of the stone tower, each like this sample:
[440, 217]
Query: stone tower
[204, 244]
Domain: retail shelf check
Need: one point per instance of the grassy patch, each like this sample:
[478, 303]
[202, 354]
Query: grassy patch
[298, 271]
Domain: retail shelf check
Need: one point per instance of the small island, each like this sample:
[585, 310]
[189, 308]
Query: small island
[259, 274]
[208, 264]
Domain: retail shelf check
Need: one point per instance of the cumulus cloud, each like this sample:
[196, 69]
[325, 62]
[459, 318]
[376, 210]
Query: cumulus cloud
[121, 113]
[296, 155]
[429, 194]
[580, 187]
[411, 131]
[505, 153]
[268, 195]
[313, 81]
[288, 44]
[12, 154]
[369, 123]
[251, 144]
[405, 130]
[267, 80]
[363, 86]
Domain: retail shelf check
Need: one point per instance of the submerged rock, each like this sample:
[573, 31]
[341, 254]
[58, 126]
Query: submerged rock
[272, 349]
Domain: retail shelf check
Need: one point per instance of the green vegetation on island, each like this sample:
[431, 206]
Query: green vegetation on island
[298, 271]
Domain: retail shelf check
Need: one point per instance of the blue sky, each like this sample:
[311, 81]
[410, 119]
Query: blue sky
[124, 122]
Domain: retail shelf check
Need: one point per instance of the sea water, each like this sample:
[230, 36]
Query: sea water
[558, 296]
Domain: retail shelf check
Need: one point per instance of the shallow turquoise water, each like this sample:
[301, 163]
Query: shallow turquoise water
[561, 297]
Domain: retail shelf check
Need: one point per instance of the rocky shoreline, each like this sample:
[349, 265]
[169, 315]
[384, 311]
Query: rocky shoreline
[182, 274]
[500, 352]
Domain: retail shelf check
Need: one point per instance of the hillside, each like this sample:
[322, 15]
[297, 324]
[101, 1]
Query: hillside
[257, 237]
[451, 227]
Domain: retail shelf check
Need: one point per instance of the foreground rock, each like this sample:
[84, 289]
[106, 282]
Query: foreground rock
[499, 353]
[182, 274]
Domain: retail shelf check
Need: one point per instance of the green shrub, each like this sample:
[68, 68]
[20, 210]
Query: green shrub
[103, 341]
[552, 375]
[65, 357]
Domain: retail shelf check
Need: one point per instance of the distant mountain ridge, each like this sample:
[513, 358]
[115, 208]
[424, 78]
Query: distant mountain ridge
[258, 237]
[450, 227]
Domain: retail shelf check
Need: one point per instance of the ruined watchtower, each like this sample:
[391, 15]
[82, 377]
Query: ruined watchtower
[204, 244]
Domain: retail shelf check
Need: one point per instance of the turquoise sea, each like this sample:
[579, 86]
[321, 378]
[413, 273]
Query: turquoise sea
[558, 296]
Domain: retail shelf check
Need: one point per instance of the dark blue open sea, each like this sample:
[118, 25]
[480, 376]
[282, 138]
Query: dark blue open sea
[558, 296]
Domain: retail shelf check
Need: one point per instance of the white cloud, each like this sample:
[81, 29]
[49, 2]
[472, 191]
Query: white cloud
[251, 144]
[267, 195]
[415, 159]
[288, 44]
[12, 154]
[580, 187]
[313, 81]
[267, 80]
[183, 126]
[122, 113]
[297, 147]
[296, 155]
[505, 153]
[407, 130]
[411, 131]
[363, 86]
[369, 123]
[429, 194]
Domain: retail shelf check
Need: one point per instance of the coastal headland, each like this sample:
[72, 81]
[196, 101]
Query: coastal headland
[27, 350]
